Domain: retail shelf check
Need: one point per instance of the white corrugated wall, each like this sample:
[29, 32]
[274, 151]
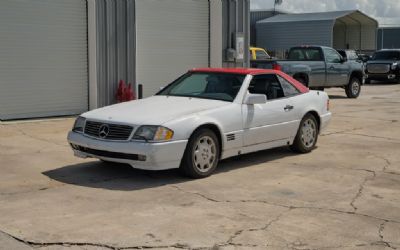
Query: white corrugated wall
[172, 36]
[43, 58]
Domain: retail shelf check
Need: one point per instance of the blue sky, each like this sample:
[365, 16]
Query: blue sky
[385, 11]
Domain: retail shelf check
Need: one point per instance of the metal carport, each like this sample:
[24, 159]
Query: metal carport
[338, 29]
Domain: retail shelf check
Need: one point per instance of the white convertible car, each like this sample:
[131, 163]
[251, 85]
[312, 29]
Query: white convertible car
[202, 117]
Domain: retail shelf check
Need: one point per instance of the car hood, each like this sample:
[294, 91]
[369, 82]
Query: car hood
[155, 110]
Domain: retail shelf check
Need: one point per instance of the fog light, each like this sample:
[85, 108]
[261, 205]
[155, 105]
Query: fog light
[141, 157]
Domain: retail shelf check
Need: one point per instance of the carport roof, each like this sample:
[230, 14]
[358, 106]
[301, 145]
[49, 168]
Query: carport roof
[357, 15]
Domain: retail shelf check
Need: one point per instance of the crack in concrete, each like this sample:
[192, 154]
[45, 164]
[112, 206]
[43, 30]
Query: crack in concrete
[348, 132]
[195, 193]
[388, 163]
[341, 132]
[35, 244]
[230, 242]
[380, 232]
[361, 188]
[373, 136]
[290, 207]
[367, 118]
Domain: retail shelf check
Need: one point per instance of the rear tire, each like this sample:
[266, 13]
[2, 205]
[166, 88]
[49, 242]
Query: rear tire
[353, 89]
[202, 154]
[307, 135]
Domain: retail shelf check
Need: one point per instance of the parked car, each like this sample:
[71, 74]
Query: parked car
[319, 67]
[350, 55]
[259, 54]
[357, 60]
[204, 116]
[384, 66]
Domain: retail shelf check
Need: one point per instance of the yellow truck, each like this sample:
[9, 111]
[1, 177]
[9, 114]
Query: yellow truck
[258, 54]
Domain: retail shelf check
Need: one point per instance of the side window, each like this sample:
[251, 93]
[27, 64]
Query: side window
[296, 54]
[266, 85]
[313, 54]
[332, 56]
[288, 88]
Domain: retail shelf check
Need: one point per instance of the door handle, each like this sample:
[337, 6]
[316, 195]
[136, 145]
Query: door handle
[288, 108]
[331, 67]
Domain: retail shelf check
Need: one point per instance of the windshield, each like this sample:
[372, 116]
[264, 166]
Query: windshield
[216, 86]
[387, 55]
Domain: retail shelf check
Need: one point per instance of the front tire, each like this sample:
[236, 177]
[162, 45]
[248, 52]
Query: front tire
[201, 155]
[353, 89]
[307, 135]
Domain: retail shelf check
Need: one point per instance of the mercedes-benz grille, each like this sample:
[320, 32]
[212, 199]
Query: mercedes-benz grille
[108, 131]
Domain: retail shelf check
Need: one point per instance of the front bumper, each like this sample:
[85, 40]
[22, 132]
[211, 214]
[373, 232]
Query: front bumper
[325, 119]
[383, 77]
[157, 156]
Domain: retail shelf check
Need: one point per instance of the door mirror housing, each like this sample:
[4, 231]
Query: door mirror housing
[252, 99]
[343, 59]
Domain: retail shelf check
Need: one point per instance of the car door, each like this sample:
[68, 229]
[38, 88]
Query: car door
[337, 71]
[271, 121]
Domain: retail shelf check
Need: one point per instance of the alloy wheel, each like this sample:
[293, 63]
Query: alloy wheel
[204, 154]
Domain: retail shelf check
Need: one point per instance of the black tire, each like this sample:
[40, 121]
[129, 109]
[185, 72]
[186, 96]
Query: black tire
[353, 89]
[303, 143]
[203, 163]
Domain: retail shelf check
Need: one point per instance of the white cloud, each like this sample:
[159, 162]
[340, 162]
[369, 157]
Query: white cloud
[374, 8]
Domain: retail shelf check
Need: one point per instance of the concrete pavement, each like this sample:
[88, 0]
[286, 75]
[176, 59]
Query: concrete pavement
[343, 195]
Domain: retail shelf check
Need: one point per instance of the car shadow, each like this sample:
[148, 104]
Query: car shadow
[122, 177]
[381, 83]
[338, 97]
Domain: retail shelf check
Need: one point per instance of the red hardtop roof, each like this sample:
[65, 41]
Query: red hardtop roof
[244, 71]
[249, 71]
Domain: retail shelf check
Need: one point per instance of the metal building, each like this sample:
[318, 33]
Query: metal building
[338, 29]
[258, 15]
[63, 57]
[388, 38]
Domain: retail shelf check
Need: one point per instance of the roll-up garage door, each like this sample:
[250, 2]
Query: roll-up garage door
[43, 58]
[172, 36]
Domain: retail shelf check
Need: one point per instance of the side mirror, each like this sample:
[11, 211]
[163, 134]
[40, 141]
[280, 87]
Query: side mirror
[344, 59]
[252, 99]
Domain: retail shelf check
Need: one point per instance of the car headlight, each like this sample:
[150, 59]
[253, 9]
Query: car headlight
[394, 66]
[153, 133]
[79, 124]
